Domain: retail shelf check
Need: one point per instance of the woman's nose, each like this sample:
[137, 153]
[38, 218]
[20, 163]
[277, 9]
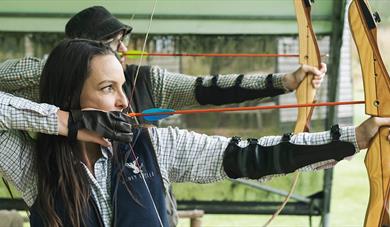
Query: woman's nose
[122, 101]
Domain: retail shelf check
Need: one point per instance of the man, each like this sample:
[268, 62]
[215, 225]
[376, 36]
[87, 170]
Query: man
[155, 87]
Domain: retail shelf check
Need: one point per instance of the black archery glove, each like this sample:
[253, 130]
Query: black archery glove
[113, 125]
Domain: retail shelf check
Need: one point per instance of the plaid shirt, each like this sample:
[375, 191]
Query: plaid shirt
[183, 156]
[21, 77]
[170, 90]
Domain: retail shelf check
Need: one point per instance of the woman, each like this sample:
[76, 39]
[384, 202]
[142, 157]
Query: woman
[73, 183]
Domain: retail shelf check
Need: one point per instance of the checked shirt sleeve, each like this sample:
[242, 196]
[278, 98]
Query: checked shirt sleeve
[21, 77]
[176, 91]
[16, 162]
[186, 156]
[22, 114]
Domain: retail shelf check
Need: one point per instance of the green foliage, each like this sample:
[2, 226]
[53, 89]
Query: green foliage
[18, 45]
[11, 46]
[4, 193]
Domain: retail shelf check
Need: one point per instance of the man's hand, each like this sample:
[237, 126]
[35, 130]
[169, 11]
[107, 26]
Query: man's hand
[368, 129]
[95, 126]
[292, 80]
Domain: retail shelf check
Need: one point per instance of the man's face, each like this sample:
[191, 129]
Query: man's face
[119, 44]
[103, 88]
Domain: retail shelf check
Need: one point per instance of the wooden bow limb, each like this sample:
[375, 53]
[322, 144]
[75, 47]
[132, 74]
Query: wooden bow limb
[377, 93]
[309, 54]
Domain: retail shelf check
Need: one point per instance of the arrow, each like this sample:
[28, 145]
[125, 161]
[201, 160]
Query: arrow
[156, 114]
[137, 53]
[133, 54]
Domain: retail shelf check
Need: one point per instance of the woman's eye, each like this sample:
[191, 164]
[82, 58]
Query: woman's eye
[108, 88]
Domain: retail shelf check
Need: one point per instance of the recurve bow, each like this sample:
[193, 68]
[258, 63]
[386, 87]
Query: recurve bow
[377, 93]
[309, 54]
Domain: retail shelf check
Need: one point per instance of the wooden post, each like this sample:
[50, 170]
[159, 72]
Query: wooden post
[195, 216]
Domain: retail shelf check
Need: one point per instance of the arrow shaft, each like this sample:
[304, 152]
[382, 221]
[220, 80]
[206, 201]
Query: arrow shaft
[231, 109]
[210, 55]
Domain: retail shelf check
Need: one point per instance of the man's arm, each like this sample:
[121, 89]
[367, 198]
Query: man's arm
[21, 77]
[175, 91]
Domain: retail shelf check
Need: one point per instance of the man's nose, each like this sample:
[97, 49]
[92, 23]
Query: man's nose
[122, 47]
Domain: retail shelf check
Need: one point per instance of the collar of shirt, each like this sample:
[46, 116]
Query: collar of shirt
[106, 152]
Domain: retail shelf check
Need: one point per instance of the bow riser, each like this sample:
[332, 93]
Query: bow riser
[375, 76]
[377, 92]
[309, 54]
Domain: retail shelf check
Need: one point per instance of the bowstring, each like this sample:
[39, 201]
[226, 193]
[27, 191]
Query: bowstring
[135, 118]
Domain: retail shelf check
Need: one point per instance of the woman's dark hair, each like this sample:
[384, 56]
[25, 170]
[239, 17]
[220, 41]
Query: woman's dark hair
[61, 177]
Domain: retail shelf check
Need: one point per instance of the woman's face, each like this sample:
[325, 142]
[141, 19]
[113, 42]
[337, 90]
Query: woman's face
[103, 87]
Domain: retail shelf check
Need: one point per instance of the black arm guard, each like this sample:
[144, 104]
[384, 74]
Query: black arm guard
[218, 96]
[256, 161]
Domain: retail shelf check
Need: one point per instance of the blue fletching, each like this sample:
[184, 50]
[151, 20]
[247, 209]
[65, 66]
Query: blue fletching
[157, 116]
